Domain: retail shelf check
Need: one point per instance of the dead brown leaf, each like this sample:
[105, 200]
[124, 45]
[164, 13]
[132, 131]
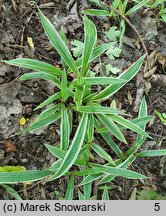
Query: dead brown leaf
[130, 99]
[9, 145]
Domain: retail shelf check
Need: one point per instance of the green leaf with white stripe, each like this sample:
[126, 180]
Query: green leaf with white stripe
[97, 51]
[79, 93]
[143, 112]
[58, 43]
[108, 139]
[43, 122]
[90, 129]
[101, 152]
[64, 128]
[112, 127]
[135, 147]
[11, 191]
[111, 89]
[40, 75]
[55, 166]
[95, 12]
[87, 191]
[128, 124]
[74, 149]
[91, 178]
[136, 7]
[105, 195]
[70, 189]
[151, 153]
[112, 144]
[35, 64]
[119, 172]
[49, 100]
[89, 43]
[124, 165]
[80, 195]
[48, 111]
[97, 109]
[60, 153]
[102, 80]
[137, 121]
[64, 94]
[23, 176]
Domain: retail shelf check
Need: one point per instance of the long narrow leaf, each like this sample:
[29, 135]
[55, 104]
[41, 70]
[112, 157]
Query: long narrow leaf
[142, 113]
[11, 191]
[80, 195]
[97, 109]
[101, 152]
[102, 80]
[120, 172]
[137, 121]
[128, 124]
[35, 64]
[64, 94]
[58, 43]
[23, 176]
[70, 189]
[89, 43]
[40, 75]
[105, 195]
[135, 147]
[111, 126]
[108, 139]
[90, 129]
[48, 100]
[127, 75]
[136, 7]
[64, 128]
[48, 112]
[79, 93]
[43, 122]
[60, 153]
[124, 165]
[55, 166]
[74, 149]
[97, 51]
[91, 178]
[112, 144]
[96, 12]
[46, 76]
[87, 191]
[151, 153]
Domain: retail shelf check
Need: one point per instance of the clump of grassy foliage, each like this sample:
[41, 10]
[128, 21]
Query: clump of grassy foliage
[76, 155]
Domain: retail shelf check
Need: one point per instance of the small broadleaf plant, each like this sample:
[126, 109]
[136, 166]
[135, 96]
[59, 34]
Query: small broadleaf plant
[75, 155]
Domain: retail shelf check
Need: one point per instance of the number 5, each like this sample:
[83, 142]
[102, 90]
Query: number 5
[157, 207]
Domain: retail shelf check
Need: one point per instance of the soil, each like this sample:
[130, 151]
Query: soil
[19, 21]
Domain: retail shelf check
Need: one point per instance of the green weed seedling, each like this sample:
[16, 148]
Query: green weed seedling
[159, 6]
[149, 194]
[76, 154]
[121, 6]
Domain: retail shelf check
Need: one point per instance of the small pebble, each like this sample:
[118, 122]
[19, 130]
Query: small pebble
[24, 160]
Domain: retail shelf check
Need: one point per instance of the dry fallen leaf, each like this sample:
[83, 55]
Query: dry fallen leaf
[161, 59]
[30, 42]
[129, 96]
[133, 194]
[9, 146]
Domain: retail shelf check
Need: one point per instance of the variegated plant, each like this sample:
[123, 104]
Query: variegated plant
[76, 96]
